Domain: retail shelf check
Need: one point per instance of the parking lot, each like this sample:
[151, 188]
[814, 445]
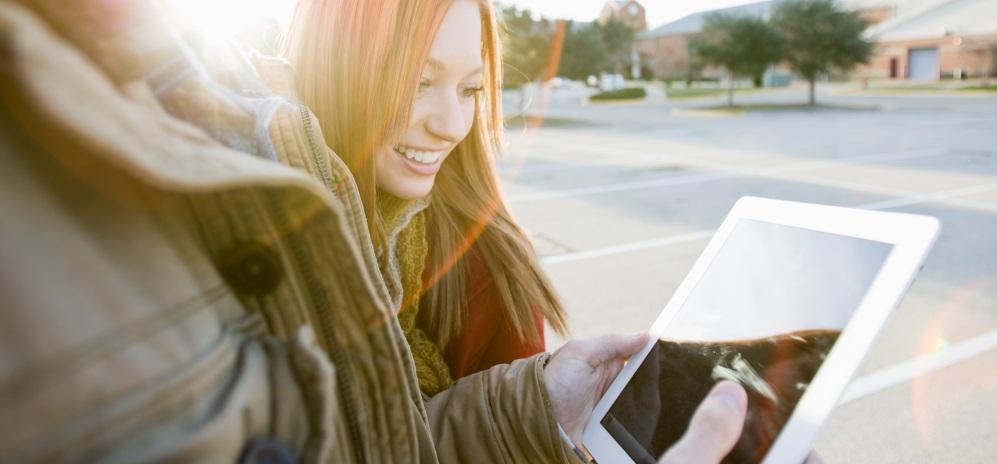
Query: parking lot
[620, 198]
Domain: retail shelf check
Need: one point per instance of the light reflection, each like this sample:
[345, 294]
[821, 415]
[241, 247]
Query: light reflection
[221, 20]
[925, 396]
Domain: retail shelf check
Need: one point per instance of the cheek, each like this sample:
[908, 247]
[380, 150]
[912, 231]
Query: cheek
[467, 111]
[382, 166]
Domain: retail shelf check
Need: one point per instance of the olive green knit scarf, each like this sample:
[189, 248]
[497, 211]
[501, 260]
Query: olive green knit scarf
[409, 256]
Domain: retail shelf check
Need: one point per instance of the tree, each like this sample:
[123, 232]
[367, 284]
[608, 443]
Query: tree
[526, 46]
[592, 48]
[743, 45]
[526, 49]
[584, 52]
[618, 37]
[820, 37]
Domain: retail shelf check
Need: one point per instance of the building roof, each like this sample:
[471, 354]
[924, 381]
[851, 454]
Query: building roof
[951, 17]
[901, 9]
[620, 4]
[694, 22]
[869, 4]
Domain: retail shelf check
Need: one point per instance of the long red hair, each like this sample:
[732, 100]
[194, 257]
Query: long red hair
[358, 65]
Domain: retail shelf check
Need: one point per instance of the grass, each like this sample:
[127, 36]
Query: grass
[982, 88]
[695, 92]
[630, 93]
[520, 120]
[765, 107]
[933, 88]
[908, 88]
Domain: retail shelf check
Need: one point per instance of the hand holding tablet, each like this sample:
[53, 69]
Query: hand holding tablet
[714, 429]
[785, 301]
[578, 374]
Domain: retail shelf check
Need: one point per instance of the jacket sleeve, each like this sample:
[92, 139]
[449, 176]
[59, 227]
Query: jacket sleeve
[502, 414]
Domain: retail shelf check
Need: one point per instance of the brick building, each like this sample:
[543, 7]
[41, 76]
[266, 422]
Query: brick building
[949, 39]
[915, 39]
[628, 11]
[665, 49]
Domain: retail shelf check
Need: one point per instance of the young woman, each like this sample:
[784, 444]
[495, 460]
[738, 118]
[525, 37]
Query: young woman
[408, 95]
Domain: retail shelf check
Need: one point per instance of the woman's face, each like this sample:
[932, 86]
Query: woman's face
[443, 109]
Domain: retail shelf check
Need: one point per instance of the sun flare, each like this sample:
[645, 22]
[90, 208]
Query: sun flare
[223, 19]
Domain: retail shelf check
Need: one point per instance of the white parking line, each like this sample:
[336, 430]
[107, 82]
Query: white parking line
[921, 365]
[725, 172]
[902, 194]
[611, 188]
[928, 197]
[705, 234]
[626, 247]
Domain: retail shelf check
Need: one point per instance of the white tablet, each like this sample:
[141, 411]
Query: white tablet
[786, 299]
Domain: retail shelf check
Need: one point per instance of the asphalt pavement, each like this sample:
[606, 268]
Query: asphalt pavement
[620, 198]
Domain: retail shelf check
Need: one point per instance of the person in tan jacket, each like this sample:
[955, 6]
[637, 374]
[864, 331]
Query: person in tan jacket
[172, 297]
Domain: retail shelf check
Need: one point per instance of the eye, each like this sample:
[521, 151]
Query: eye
[470, 91]
[424, 84]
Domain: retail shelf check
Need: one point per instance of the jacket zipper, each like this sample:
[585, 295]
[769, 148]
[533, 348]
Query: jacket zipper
[321, 301]
[330, 183]
[316, 154]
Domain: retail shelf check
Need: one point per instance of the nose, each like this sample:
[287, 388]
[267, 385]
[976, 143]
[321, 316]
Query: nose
[447, 121]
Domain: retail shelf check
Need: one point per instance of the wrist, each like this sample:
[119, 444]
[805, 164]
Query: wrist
[578, 451]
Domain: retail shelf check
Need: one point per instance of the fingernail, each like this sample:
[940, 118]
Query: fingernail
[730, 394]
[729, 401]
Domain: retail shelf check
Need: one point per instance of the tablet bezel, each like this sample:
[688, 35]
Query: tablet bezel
[912, 236]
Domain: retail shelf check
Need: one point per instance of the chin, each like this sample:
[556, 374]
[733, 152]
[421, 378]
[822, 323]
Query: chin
[411, 190]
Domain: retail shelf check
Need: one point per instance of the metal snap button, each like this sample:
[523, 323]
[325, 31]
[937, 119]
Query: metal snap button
[250, 268]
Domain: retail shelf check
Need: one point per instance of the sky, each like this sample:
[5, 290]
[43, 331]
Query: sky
[224, 16]
[657, 12]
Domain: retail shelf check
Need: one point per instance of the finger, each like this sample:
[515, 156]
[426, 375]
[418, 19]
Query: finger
[614, 347]
[609, 372]
[714, 428]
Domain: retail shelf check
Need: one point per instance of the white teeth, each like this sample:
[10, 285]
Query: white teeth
[424, 157]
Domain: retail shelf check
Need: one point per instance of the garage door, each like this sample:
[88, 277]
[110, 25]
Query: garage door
[923, 63]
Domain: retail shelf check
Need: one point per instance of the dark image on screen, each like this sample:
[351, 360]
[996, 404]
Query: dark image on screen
[766, 313]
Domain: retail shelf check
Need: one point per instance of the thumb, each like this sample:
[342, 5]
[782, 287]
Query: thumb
[714, 428]
[612, 347]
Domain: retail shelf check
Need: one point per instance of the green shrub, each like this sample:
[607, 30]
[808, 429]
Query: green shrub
[621, 94]
[991, 87]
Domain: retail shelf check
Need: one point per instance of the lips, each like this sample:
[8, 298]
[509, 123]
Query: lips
[421, 161]
[420, 156]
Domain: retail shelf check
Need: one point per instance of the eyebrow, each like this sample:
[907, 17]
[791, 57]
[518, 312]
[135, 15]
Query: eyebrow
[436, 65]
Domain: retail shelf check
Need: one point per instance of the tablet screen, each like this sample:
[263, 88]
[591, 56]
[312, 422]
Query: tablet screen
[765, 313]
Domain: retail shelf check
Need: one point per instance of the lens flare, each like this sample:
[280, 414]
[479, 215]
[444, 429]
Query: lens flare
[924, 395]
[223, 19]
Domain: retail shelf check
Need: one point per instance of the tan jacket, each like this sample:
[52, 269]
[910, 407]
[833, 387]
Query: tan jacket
[166, 298]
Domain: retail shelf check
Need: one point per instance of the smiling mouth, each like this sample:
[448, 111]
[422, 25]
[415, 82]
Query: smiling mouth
[420, 156]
